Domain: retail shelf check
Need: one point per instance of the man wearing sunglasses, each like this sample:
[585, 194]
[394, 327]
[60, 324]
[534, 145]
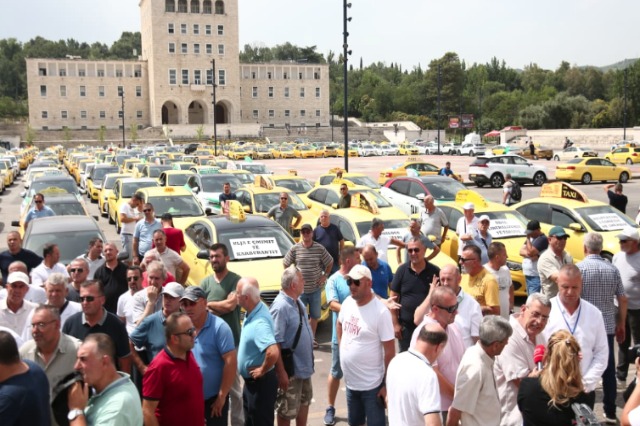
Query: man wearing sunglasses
[552, 259]
[345, 197]
[478, 282]
[444, 307]
[125, 302]
[143, 233]
[39, 210]
[78, 273]
[283, 213]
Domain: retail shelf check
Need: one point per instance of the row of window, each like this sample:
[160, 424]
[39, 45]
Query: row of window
[287, 113]
[82, 91]
[184, 48]
[285, 75]
[64, 114]
[196, 78]
[194, 6]
[171, 29]
[62, 72]
[270, 92]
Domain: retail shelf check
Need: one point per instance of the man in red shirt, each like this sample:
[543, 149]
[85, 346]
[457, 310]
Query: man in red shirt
[172, 388]
[175, 237]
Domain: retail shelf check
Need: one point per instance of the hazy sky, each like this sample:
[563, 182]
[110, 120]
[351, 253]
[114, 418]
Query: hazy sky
[409, 32]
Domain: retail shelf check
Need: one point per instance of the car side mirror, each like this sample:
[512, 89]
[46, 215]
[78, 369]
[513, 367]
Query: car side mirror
[420, 196]
[576, 227]
[203, 254]
[195, 189]
[23, 194]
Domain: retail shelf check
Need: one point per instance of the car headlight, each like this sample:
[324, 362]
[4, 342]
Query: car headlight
[514, 266]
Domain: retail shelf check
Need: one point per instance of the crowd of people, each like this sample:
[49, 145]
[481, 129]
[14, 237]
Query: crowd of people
[113, 339]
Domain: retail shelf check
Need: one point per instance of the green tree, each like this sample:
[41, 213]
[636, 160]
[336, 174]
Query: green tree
[133, 132]
[30, 135]
[102, 131]
[200, 133]
[66, 133]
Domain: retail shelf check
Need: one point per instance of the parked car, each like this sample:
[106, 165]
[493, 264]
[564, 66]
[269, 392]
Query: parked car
[492, 170]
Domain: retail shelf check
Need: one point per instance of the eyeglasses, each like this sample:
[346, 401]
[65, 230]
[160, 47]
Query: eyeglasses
[146, 210]
[41, 325]
[462, 259]
[413, 250]
[306, 231]
[284, 198]
[352, 281]
[87, 298]
[133, 278]
[343, 189]
[623, 241]
[38, 201]
[539, 316]
[189, 332]
[450, 309]
[79, 270]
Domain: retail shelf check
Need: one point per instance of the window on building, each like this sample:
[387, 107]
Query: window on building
[220, 30]
[300, 76]
[138, 114]
[287, 113]
[101, 91]
[169, 5]
[43, 90]
[272, 113]
[120, 91]
[208, 48]
[83, 91]
[45, 114]
[42, 71]
[222, 77]
[254, 92]
[207, 29]
[184, 48]
[316, 75]
[172, 48]
[221, 49]
[120, 114]
[138, 91]
[83, 114]
[317, 113]
[196, 48]
[196, 29]
[185, 76]
[285, 75]
[269, 75]
[206, 7]
[197, 76]
[64, 114]
[302, 113]
[183, 28]
[210, 77]
[100, 73]
[182, 6]
[219, 7]
[137, 72]
[253, 75]
[119, 73]
[255, 113]
[63, 91]
[170, 28]
[82, 73]
[302, 92]
[63, 72]
[172, 77]
[286, 92]
[103, 114]
[271, 92]
[317, 92]
[195, 7]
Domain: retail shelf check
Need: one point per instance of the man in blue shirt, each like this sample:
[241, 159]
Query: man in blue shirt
[38, 211]
[143, 233]
[380, 271]
[329, 236]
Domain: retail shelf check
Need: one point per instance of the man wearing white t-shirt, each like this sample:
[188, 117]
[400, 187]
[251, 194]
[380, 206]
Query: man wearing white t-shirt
[379, 241]
[466, 226]
[367, 345]
[414, 396]
[125, 309]
[172, 260]
[497, 265]
[50, 264]
[129, 215]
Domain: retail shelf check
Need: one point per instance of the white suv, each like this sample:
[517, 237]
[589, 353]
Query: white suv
[492, 170]
[471, 149]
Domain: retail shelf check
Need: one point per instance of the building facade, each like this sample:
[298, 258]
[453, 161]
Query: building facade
[185, 45]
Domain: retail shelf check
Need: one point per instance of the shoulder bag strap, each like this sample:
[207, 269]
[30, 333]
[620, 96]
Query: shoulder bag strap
[297, 338]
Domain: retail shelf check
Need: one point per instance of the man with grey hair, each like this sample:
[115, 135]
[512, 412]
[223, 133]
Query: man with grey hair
[56, 290]
[476, 400]
[379, 241]
[147, 300]
[293, 334]
[414, 231]
[601, 284]
[433, 221]
[516, 360]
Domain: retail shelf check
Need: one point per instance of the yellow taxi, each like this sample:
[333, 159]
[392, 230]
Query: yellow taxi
[204, 170]
[356, 178]
[174, 177]
[94, 180]
[628, 154]
[261, 152]
[561, 204]
[507, 226]
[412, 167]
[304, 151]
[284, 151]
[62, 203]
[239, 153]
[7, 172]
[408, 149]
[181, 165]
[153, 170]
[123, 189]
[80, 170]
[127, 165]
[353, 152]
[180, 202]
[108, 182]
[330, 150]
[23, 160]
[246, 177]
[292, 181]
[256, 245]
[587, 170]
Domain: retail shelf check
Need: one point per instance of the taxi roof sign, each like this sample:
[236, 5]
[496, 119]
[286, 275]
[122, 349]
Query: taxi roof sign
[562, 190]
[234, 211]
[261, 182]
[364, 201]
[469, 196]
[293, 172]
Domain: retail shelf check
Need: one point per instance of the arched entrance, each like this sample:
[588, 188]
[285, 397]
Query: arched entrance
[196, 113]
[221, 114]
[170, 113]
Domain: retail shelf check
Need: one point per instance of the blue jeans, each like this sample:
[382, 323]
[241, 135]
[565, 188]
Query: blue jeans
[336, 369]
[609, 389]
[314, 300]
[533, 284]
[127, 244]
[364, 407]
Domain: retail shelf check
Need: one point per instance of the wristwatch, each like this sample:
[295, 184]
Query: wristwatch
[73, 414]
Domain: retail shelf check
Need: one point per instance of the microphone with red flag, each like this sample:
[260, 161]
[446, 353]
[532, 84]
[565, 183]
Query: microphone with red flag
[538, 356]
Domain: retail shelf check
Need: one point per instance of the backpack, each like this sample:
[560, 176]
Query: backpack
[516, 191]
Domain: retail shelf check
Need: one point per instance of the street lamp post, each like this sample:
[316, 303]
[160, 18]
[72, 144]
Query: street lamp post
[215, 126]
[438, 118]
[122, 112]
[346, 52]
[624, 122]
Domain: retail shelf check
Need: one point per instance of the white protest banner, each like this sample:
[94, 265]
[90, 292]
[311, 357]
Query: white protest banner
[254, 248]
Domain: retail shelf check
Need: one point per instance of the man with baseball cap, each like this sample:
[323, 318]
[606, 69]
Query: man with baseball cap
[14, 310]
[535, 243]
[466, 225]
[361, 353]
[552, 260]
[481, 237]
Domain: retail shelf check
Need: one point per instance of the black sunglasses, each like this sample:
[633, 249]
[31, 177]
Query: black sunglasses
[352, 281]
[38, 202]
[146, 210]
[87, 298]
[462, 259]
[413, 250]
[80, 270]
[133, 278]
[450, 309]
[189, 332]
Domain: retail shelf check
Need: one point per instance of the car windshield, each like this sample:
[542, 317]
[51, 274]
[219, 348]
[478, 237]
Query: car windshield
[178, 179]
[130, 188]
[245, 177]
[110, 182]
[267, 200]
[70, 243]
[299, 186]
[213, 183]
[120, 159]
[66, 185]
[255, 243]
[507, 224]
[604, 218]
[575, 160]
[177, 205]
[256, 168]
[394, 228]
[98, 174]
[65, 208]
[154, 171]
[363, 181]
[444, 190]
[379, 199]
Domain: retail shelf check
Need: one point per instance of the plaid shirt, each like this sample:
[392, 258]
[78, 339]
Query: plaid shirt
[601, 284]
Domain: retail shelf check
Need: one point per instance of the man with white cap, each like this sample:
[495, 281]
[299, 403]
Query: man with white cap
[35, 294]
[14, 310]
[552, 260]
[480, 237]
[627, 260]
[466, 225]
[365, 332]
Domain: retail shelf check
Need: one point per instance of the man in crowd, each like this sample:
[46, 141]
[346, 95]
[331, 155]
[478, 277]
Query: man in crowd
[97, 364]
[215, 353]
[414, 232]
[50, 264]
[93, 256]
[94, 318]
[479, 283]
[601, 285]
[550, 262]
[284, 214]
[433, 221]
[507, 189]
[361, 354]
[444, 307]
[125, 301]
[466, 225]
[414, 395]
[143, 233]
[627, 261]
[23, 387]
[220, 288]
[113, 276]
[78, 273]
[172, 391]
[147, 300]
[14, 310]
[535, 243]
[410, 286]
[257, 355]
[171, 259]
[329, 236]
[14, 253]
[480, 237]
[516, 360]
[497, 266]
[129, 214]
[293, 334]
[584, 321]
[52, 350]
[226, 194]
[35, 294]
[337, 290]
[380, 271]
[476, 400]
[315, 263]
[175, 236]
[616, 198]
[379, 241]
[39, 210]
[345, 198]
[56, 290]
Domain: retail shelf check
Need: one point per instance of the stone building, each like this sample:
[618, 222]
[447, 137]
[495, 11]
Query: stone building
[171, 83]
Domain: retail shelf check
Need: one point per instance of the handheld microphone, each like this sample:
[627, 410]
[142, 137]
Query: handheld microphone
[538, 355]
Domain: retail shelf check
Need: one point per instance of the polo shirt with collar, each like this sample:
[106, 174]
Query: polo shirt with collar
[381, 277]
[119, 403]
[16, 321]
[78, 327]
[381, 244]
[214, 340]
[548, 263]
[257, 335]
[149, 334]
